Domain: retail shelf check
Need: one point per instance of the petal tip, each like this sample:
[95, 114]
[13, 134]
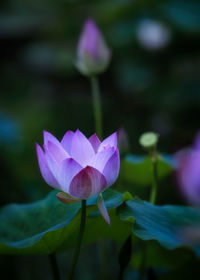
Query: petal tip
[103, 210]
[45, 132]
[38, 148]
[66, 198]
[108, 221]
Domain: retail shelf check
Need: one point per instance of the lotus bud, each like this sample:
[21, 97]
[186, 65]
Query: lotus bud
[93, 55]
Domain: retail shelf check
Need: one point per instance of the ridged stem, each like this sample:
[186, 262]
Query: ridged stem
[97, 106]
[154, 178]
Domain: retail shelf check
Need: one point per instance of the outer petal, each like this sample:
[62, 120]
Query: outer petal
[81, 149]
[90, 40]
[67, 170]
[49, 137]
[102, 209]
[52, 163]
[95, 142]
[109, 141]
[44, 168]
[66, 198]
[101, 158]
[67, 140]
[111, 169]
[57, 152]
[88, 182]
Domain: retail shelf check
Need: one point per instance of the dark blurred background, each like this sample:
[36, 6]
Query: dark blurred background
[152, 83]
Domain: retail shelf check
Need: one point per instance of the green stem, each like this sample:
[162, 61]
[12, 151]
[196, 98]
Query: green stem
[97, 106]
[153, 155]
[54, 265]
[154, 179]
[80, 238]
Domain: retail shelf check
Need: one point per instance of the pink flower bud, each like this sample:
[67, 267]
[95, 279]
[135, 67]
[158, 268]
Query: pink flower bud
[78, 166]
[93, 55]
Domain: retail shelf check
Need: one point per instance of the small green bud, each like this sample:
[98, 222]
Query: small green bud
[148, 140]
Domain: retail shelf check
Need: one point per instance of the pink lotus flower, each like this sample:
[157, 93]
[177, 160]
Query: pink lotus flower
[79, 166]
[188, 172]
[93, 53]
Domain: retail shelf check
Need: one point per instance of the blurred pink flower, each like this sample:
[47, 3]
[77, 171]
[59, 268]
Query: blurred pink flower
[93, 55]
[79, 166]
[188, 172]
[152, 34]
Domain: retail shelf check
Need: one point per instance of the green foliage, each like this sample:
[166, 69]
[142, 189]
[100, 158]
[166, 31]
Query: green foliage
[169, 225]
[138, 169]
[183, 14]
[157, 256]
[48, 225]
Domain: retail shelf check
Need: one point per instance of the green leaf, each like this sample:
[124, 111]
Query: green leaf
[159, 257]
[48, 225]
[138, 169]
[171, 226]
[183, 14]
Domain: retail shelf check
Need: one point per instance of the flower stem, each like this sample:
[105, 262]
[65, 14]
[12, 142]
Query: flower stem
[154, 156]
[97, 106]
[103, 250]
[54, 265]
[154, 178]
[80, 238]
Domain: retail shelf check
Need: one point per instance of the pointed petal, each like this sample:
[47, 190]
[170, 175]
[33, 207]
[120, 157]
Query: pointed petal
[101, 158]
[68, 169]
[44, 168]
[57, 152]
[95, 142]
[88, 182]
[49, 137]
[66, 198]
[67, 140]
[81, 149]
[103, 209]
[52, 163]
[111, 169]
[109, 141]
